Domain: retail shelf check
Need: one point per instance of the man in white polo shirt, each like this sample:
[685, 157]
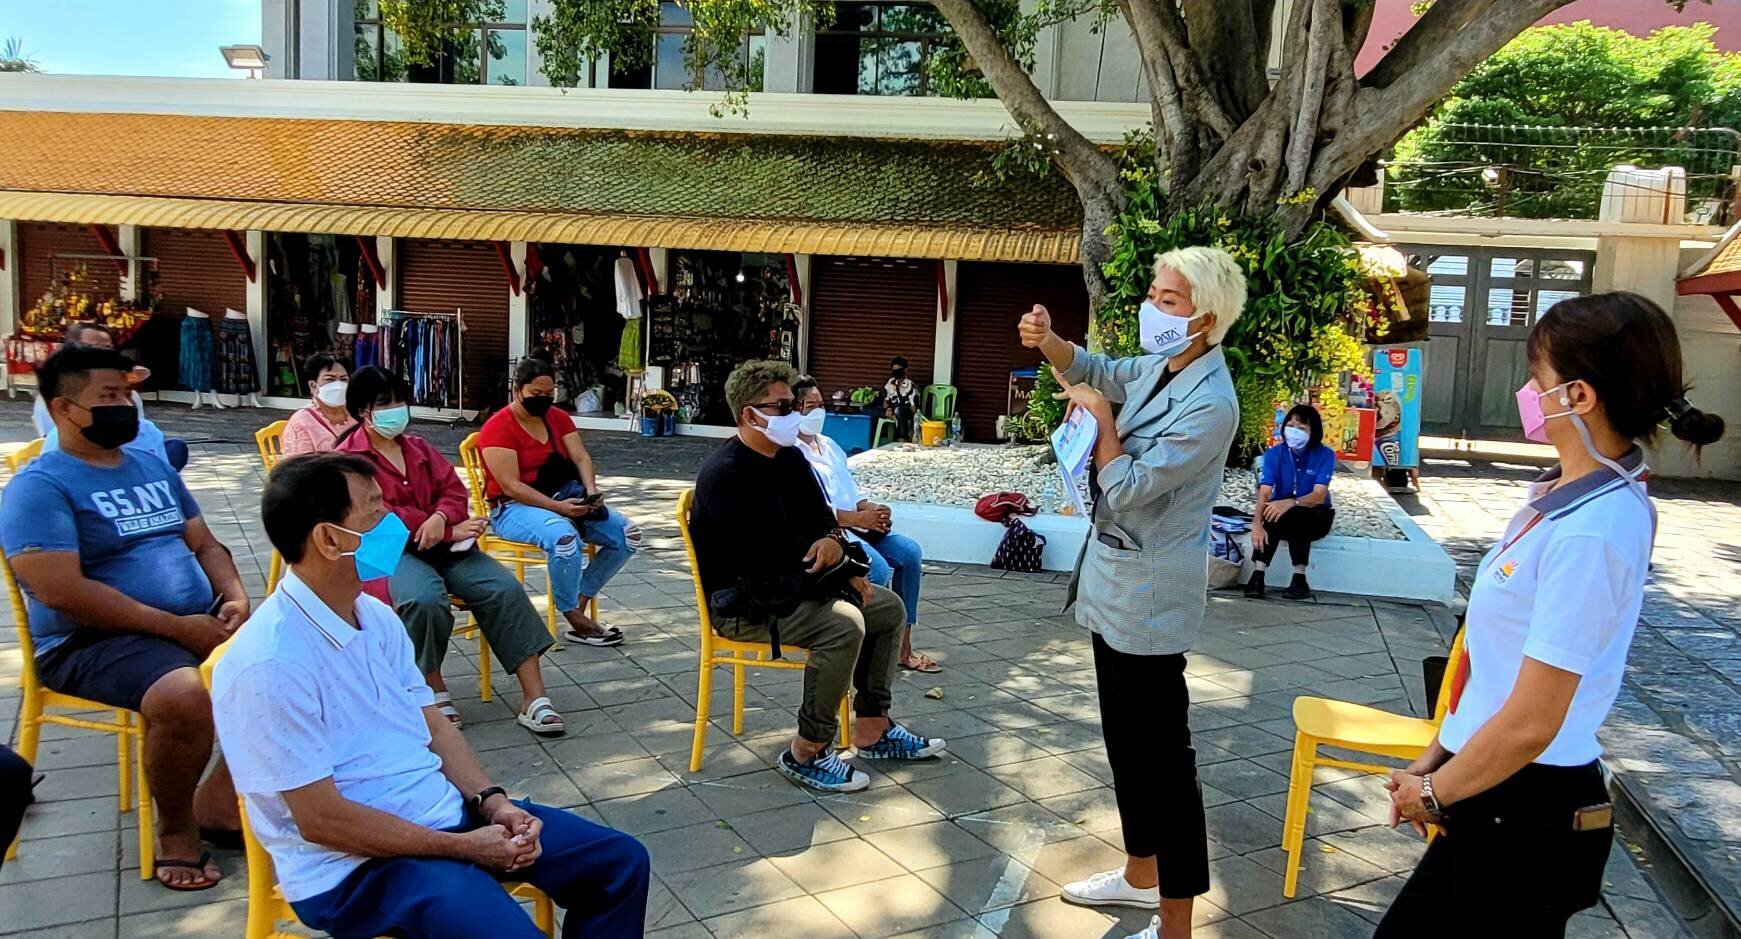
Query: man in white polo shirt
[378, 816]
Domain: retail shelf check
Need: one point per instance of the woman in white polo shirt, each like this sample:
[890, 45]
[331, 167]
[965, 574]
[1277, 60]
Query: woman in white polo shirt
[1513, 777]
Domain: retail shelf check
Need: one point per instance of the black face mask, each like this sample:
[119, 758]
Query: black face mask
[537, 405]
[112, 425]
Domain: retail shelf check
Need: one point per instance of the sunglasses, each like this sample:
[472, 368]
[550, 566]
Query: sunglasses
[782, 407]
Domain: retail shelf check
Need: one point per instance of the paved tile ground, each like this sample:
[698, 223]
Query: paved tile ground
[1674, 740]
[973, 845]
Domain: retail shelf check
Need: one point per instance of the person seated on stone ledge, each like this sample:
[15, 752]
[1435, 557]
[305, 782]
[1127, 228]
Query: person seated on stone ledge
[895, 559]
[379, 818]
[775, 567]
[128, 592]
[443, 560]
[1293, 500]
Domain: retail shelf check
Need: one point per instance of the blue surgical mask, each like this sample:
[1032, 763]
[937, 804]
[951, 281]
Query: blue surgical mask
[1163, 333]
[391, 422]
[379, 548]
[1297, 437]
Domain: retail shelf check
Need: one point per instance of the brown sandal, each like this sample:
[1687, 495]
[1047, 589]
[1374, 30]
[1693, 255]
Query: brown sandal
[923, 664]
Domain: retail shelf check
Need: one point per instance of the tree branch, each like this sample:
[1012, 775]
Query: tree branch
[1326, 16]
[1157, 23]
[1442, 28]
[1241, 80]
[1175, 131]
[1091, 171]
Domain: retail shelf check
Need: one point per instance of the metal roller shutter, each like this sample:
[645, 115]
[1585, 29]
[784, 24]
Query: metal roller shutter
[38, 242]
[436, 277]
[195, 269]
[864, 310]
[992, 298]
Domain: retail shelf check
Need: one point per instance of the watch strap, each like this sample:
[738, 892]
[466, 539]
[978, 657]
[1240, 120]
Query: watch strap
[477, 801]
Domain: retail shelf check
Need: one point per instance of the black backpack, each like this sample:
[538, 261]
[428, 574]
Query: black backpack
[1020, 549]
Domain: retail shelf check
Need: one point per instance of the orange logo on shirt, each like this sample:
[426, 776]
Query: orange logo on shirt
[1504, 572]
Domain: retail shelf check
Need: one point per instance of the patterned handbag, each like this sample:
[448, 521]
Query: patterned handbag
[1020, 549]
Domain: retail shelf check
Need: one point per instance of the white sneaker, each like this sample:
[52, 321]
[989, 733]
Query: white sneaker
[1153, 932]
[1109, 888]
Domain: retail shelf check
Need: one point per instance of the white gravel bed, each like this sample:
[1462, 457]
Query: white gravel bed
[960, 475]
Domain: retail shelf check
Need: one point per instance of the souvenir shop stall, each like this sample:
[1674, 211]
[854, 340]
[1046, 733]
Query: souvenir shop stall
[75, 296]
[723, 308]
[584, 301]
[320, 297]
[425, 349]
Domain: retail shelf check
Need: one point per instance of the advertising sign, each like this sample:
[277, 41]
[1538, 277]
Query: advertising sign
[1396, 397]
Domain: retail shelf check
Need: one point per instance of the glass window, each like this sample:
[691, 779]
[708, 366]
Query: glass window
[1445, 304]
[492, 49]
[507, 50]
[877, 49]
[1448, 265]
[669, 71]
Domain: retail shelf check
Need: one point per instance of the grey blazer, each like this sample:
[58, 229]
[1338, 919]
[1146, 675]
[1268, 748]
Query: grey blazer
[1146, 597]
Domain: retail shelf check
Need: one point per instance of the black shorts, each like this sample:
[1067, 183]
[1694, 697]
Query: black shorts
[111, 668]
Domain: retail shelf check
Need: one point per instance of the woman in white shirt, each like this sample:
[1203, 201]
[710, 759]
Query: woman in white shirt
[1513, 776]
[896, 560]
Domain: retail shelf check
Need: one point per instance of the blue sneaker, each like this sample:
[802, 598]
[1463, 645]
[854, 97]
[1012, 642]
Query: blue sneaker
[899, 743]
[825, 772]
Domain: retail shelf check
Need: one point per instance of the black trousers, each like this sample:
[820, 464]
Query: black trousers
[1511, 849]
[1143, 704]
[1299, 527]
[14, 795]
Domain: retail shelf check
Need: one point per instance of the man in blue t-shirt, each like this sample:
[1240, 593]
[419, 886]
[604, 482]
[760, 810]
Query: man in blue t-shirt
[128, 592]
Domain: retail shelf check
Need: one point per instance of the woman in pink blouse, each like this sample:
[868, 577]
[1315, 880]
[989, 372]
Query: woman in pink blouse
[318, 426]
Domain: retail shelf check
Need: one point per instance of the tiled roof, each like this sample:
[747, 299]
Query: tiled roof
[332, 168]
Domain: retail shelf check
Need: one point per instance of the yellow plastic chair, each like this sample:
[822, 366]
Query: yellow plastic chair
[717, 650]
[19, 458]
[518, 554]
[127, 726]
[267, 908]
[1321, 722]
[270, 440]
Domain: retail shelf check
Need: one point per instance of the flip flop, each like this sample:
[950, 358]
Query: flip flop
[538, 712]
[199, 865]
[611, 636]
[927, 665]
[444, 704]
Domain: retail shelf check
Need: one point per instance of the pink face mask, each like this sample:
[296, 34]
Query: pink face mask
[1529, 409]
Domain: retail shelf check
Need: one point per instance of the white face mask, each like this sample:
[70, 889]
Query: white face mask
[1162, 332]
[782, 429]
[1296, 437]
[332, 394]
[812, 423]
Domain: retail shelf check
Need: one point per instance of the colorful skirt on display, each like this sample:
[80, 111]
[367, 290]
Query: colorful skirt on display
[236, 374]
[196, 353]
[629, 353]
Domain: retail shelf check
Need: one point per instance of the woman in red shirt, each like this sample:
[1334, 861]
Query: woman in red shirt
[420, 486]
[543, 490]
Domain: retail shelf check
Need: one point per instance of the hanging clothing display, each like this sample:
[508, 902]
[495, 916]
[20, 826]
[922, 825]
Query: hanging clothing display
[196, 352]
[423, 349]
[628, 289]
[629, 357]
[236, 373]
[367, 348]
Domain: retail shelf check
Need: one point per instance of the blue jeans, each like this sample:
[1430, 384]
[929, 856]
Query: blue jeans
[597, 874]
[570, 576]
[896, 563]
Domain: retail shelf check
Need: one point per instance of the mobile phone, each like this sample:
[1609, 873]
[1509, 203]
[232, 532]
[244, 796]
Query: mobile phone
[217, 604]
[592, 498]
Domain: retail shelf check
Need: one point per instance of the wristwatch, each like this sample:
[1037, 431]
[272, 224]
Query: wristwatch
[477, 802]
[1427, 801]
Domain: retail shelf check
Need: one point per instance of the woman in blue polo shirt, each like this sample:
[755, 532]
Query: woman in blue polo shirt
[1512, 775]
[1293, 500]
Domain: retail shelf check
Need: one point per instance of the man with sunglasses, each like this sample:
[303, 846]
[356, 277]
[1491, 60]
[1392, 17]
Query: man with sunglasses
[765, 537]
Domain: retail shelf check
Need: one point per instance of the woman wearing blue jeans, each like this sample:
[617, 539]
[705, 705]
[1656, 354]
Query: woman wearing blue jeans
[896, 560]
[543, 490]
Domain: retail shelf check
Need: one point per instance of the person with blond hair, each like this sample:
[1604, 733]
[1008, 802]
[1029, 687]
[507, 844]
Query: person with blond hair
[1139, 585]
